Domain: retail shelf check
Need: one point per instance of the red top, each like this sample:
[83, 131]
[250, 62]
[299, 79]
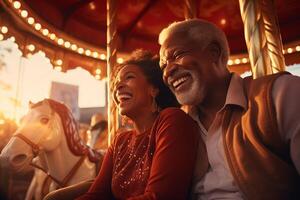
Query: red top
[156, 164]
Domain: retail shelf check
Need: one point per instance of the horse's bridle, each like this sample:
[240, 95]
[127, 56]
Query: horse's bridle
[35, 150]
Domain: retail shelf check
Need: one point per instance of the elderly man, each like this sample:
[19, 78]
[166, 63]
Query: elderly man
[251, 127]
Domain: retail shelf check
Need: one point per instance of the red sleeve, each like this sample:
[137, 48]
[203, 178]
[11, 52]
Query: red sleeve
[101, 188]
[174, 157]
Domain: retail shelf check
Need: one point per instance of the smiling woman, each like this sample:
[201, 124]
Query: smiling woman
[157, 156]
[161, 135]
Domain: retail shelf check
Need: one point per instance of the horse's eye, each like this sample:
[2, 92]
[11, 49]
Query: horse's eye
[44, 120]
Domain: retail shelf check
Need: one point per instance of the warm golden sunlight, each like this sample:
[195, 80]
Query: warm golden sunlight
[30, 79]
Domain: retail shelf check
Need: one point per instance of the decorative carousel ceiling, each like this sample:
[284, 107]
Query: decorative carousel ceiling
[83, 23]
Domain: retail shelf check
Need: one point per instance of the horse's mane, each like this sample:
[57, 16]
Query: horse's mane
[70, 126]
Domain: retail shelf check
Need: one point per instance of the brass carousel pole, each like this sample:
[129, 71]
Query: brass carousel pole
[262, 37]
[190, 10]
[111, 62]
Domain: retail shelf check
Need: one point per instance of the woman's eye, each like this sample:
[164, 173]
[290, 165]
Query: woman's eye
[129, 77]
[44, 120]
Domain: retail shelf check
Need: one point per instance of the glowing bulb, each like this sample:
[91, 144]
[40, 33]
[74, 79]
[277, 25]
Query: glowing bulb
[74, 47]
[95, 54]
[13, 39]
[60, 41]
[88, 52]
[102, 56]
[97, 76]
[42, 53]
[1, 37]
[45, 32]
[237, 61]
[223, 21]
[230, 62]
[52, 36]
[290, 50]
[4, 29]
[244, 60]
[37, 26]
[67, 44]
[29, 55]
[120, 60]
[30, 20]
[58, 68]
[297, 48]
[98, 71]
[24, 13]
[59, 62]
[17, 4]
[80, 50]
[31, 47]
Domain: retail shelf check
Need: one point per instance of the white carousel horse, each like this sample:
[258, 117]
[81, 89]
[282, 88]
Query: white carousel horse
[49, 132]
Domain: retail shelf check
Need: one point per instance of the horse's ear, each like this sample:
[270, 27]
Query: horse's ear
[30, 104]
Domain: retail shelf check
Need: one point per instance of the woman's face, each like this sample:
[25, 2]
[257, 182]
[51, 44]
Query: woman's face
[132, 92]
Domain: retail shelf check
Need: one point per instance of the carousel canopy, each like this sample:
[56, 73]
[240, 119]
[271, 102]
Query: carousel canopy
[73, 32]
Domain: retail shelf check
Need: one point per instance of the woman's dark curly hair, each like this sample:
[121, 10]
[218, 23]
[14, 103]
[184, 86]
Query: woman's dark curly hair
[149, 65]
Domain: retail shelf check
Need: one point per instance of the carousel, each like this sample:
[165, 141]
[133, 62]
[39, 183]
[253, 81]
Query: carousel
[264, 38]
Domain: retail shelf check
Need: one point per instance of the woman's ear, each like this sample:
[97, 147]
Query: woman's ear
[215, 51]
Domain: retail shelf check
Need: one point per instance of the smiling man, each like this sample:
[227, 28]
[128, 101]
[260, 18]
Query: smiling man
[251, 127]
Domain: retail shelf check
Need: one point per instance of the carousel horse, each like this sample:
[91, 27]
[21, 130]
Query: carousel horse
[49, 133]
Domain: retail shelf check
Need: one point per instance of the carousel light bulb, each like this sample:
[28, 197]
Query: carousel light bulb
[244, 60]
[223, 21]
[59, 62]
[95, 54]
[97, 76]
[80, 50]
[29, 55]
[17, 4]
[24, 13]
[60, 41]
[290, 50]
[31, 47]
[67, 44]
[102, 56]
[52, 36]
[42, 53]
[4, 29]
[237, 61]
[230, 62]
[45, 32]
[1, 37]
[58, 68]
[74, 47]
[297, 48]
[30, 20]
[98, 71]
[88, 52]
[13, 39]
[37, 26]
[120, 60]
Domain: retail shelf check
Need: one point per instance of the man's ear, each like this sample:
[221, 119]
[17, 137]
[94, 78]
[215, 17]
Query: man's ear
[215, 51]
